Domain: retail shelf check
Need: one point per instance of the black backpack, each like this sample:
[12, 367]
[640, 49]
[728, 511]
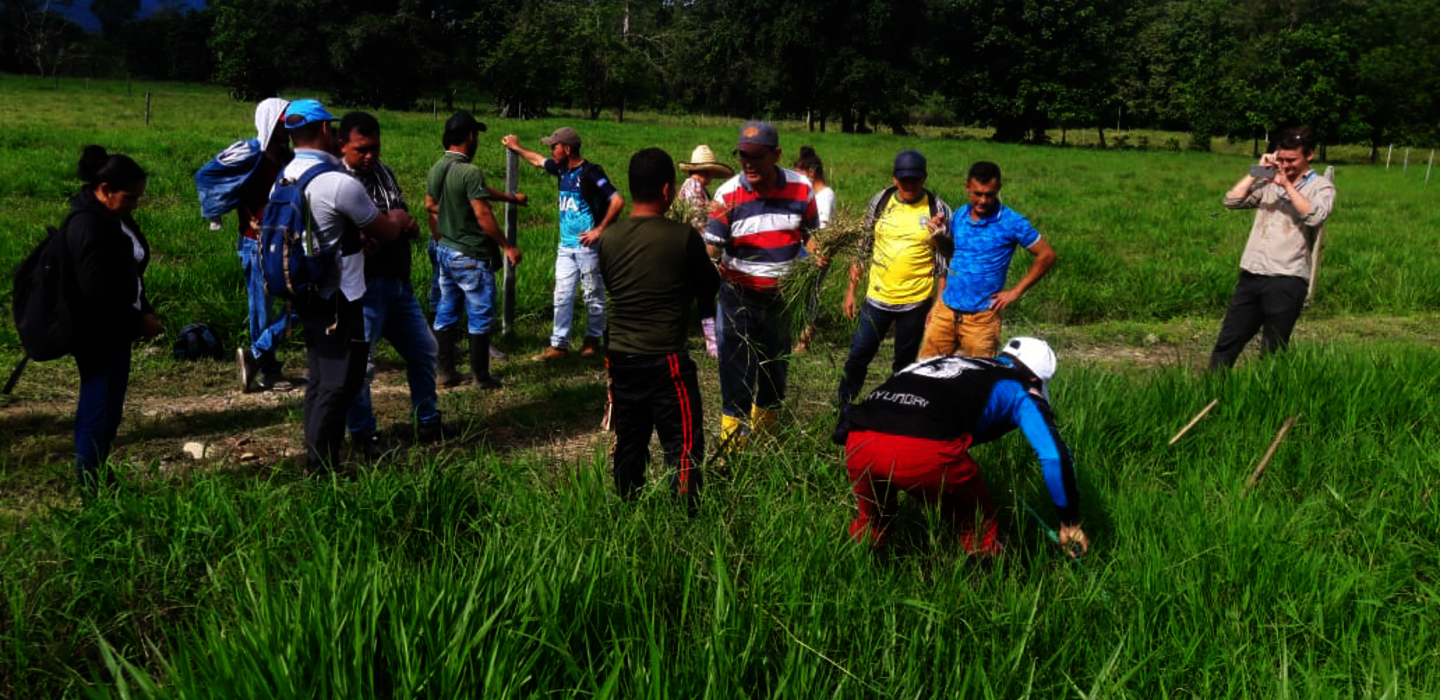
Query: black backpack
[45, 297]
[196, 341]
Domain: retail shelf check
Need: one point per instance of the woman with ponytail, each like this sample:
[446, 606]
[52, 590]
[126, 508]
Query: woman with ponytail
[109, 255]
[812, 167]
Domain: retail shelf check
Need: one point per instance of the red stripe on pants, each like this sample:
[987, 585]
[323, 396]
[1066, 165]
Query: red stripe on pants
[688, 436]
[937, 471]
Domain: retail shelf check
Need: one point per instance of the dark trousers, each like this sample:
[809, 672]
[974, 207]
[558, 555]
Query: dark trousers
[658, 393]
[336, 349]
[1272, 303]
[104, 379]
[754, 330]
[874, 324]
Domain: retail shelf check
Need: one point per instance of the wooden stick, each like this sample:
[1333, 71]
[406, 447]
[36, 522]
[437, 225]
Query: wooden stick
[1193, 421]
[1274, 445]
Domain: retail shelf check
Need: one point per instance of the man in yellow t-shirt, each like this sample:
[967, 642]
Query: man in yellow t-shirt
[905, 226]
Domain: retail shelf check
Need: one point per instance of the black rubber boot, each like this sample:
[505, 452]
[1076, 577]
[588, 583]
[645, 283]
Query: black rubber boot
[445, 374]
[480, 361]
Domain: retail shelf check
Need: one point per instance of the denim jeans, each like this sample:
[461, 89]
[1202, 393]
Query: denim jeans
[104, 378]
[577, 266]
[874, 323]
[267, 328]
[754, 330]
[432, 251]
[392, 313]
[466, 285]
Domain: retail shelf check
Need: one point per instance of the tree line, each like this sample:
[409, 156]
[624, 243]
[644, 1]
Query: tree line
[1355, 71]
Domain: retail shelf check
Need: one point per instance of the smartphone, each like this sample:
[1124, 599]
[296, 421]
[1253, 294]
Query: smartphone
[1261, 172]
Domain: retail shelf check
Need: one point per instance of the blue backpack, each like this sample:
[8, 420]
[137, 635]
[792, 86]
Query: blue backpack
[286, 235]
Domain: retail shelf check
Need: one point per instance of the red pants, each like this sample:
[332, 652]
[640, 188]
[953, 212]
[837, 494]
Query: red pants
[939, 472]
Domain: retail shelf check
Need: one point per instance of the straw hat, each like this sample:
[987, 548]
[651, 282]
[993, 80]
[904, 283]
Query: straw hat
[703, 160]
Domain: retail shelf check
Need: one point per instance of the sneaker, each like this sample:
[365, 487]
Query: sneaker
[274, 381]
[368, 447]
[245, 361]
[497, 353]
[552, 354]
[434, 431]
[591, 346]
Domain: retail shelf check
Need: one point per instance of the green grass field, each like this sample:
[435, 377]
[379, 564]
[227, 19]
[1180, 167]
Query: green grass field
[501, 564]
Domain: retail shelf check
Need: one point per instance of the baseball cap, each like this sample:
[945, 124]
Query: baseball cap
[758, 134]
[564, 135]
[462, 122]
[910, 164]
[304, 112]
[1037, 357]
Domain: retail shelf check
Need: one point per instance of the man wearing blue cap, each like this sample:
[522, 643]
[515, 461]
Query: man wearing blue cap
[906, 241]
[344, 219]
[973, 296]
[761, 219]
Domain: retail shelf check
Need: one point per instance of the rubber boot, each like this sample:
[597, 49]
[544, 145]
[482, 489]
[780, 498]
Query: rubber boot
[480, 361]
[733, 434]
[763, 420]
[445, 375]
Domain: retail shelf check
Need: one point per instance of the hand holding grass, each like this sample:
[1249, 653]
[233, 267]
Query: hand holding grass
[1073, 541]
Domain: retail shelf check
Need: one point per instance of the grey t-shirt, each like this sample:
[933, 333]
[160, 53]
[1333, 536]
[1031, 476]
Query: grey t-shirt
[337, 201]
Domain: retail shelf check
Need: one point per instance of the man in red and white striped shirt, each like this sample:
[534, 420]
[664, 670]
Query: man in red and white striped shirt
[760, 220]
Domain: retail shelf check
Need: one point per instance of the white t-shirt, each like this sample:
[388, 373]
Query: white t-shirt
[825, 205]
[336, 199]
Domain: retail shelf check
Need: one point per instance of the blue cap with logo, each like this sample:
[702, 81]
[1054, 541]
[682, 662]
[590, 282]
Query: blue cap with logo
[303, 112]
[758, 134]
[910, 164]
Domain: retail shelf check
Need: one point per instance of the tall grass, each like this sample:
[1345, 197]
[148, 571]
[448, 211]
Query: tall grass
[504, 579]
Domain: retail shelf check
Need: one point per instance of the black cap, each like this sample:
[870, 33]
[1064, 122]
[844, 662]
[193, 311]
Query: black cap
[462, 123]
[910, 164]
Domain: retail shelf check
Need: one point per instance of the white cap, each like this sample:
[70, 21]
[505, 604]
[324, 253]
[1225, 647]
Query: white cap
[1037, 357]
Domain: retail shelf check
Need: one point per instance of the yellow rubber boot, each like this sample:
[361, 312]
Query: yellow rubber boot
[763, 421]
[733, 434]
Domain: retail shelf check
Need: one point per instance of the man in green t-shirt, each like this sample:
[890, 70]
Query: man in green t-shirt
[470, 242]
[653, 268]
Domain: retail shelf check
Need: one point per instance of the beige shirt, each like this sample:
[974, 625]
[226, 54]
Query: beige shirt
[1281, 239]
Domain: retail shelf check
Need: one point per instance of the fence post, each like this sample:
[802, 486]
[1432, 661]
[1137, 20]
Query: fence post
[1318, 248]
[1428, 167]
[512, 234]
[1388, 153]
[147, 108]
[1406, 170]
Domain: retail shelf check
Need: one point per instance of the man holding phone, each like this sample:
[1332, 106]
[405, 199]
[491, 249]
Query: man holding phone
[1291, 203]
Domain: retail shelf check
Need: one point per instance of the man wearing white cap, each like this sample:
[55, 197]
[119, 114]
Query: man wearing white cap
[239, 179]
[914, 432]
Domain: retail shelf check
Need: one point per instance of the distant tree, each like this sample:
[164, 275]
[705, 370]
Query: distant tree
[42, 37]
[114, 14]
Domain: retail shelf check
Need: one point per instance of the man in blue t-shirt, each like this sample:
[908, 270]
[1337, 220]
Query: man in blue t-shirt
[986, 233]
[588, 203]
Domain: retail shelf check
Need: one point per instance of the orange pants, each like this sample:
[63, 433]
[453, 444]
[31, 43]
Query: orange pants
[950, 332]
[939, 472]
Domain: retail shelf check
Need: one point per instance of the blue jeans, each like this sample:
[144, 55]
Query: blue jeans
[104, 378]
[874, 324]
[577, 266]
[432, 251]
[392, 313]
[266, 326]
[754, 333]
[467, 285]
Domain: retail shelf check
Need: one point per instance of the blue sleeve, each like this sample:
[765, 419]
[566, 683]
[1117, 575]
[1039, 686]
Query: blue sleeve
[1011, 405]
[1024, 233]
[602, 184]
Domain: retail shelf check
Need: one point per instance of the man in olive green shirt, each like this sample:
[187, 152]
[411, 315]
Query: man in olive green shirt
[653, 268]
[468, 253]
